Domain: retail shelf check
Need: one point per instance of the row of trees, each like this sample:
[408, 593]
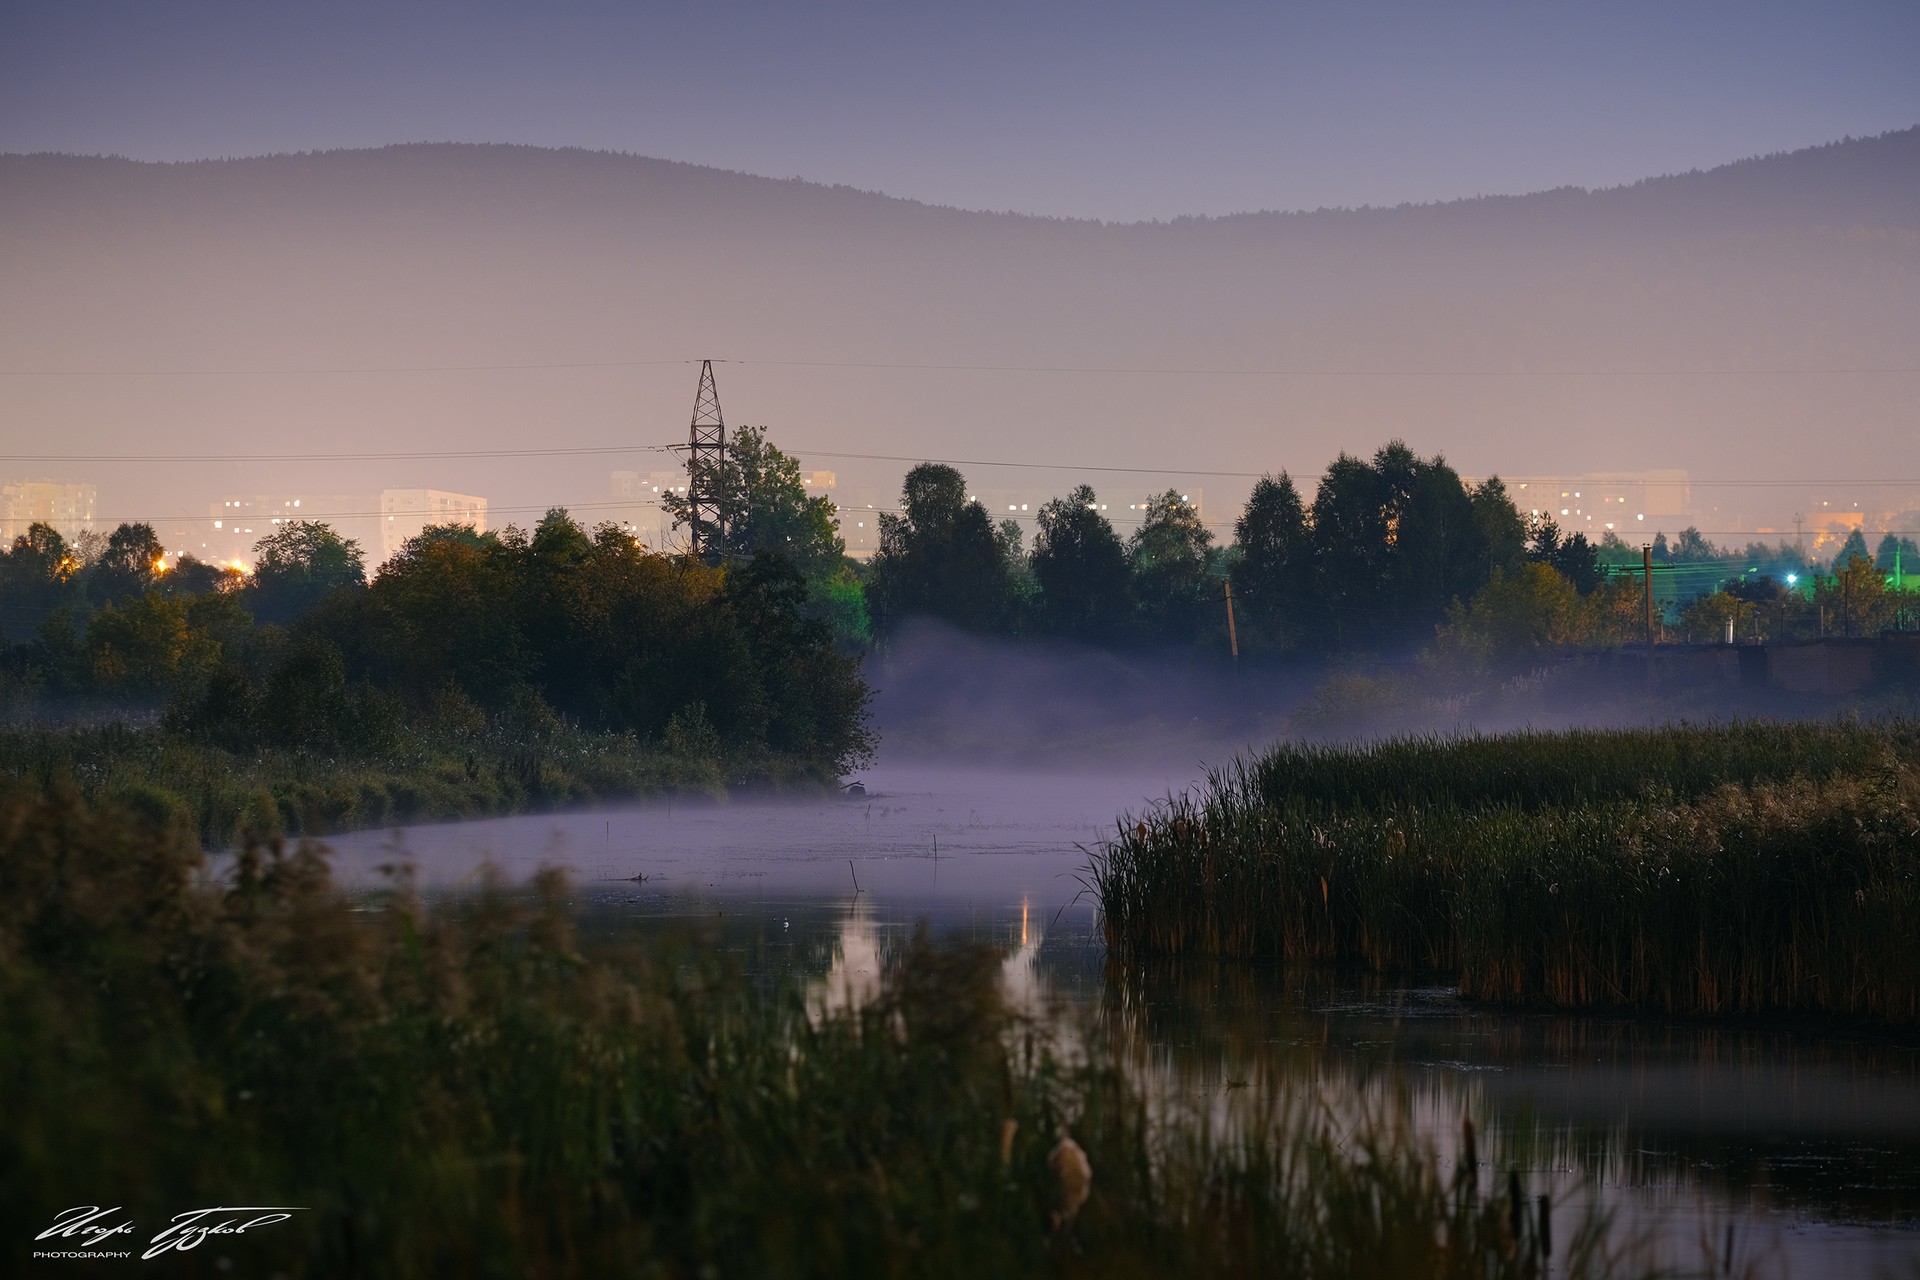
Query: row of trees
[1372, 563]
[42, 573]
[558, 621]
[1392, 554]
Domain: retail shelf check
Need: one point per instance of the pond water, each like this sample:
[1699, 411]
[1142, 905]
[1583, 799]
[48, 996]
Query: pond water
[1806, 1145]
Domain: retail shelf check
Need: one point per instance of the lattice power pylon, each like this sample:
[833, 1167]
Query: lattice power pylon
[706, 456]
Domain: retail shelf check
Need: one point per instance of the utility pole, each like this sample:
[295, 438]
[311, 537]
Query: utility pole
[1646, 595]
[1646, 590]
[706, 456]
[1799, 538]
[1233, 637]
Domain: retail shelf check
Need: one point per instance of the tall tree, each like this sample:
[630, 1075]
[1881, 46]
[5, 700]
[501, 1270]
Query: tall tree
[940, 556]
[766, 508]
[1081, 570]
[1438, 552]
[1273, 576]
[1352, 532]
[133, 555]
[1501, 528]
[1172, 558]
[37, 576]
[1571, 555]
[299, 566]
[1855, 547]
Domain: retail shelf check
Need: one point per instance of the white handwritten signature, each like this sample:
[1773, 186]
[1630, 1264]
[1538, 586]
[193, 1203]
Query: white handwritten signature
[90, 1222]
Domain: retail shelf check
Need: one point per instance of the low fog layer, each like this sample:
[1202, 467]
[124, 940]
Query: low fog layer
[1564, 331]
[944, 697]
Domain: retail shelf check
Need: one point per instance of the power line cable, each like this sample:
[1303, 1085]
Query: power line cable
[560, 451]
[929, 367]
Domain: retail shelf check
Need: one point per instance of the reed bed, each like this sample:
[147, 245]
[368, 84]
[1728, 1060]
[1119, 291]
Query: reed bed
[1746, 869]
[423, 776]
[475, 1091]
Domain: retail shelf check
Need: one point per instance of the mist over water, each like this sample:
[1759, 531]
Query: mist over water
[1808, 1144]
[1003, 767]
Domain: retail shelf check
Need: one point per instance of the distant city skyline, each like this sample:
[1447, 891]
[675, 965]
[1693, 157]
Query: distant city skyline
[1119, 111]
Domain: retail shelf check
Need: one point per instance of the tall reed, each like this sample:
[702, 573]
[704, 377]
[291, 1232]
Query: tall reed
[1748, 869]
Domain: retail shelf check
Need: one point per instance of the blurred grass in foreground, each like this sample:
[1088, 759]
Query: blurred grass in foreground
[472, 1091]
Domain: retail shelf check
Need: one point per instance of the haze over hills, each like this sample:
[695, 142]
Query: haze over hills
[1723, 322]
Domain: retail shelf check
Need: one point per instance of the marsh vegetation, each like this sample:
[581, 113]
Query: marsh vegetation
[474, 1088]
[1751, 868]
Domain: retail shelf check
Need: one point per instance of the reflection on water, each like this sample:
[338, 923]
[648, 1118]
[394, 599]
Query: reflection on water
[853, 979]
[1809, 1146]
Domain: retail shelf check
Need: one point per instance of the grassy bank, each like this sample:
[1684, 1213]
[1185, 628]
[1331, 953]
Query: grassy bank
[474, 1091]
[417, 775]
[1702, 870]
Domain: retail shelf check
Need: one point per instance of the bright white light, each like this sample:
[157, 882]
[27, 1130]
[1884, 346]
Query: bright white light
[1639, 517]
[1792, 578]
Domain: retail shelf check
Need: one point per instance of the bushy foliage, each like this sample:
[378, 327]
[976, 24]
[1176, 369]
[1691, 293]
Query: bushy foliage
[591, 626]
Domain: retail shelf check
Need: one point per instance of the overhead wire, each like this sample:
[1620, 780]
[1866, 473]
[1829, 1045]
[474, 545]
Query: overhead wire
[938, 367]
[561, 451]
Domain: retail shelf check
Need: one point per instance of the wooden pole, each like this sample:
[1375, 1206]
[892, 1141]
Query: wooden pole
[1646, 595]
[1233, 637]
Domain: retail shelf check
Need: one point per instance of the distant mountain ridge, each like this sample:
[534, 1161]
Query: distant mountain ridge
[1878, 176]
[1526, 334]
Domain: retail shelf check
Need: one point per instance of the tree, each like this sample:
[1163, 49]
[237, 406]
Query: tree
[127, 566]
[1502, 530]
[1513, 619]
[941, 556]
[1704, 621]
[1397, 539]
[1856, 599]
[37, 576]
[1081, 570]
[188, 576]
[1612, 552]
[144, 645]
[1692, 547]
[1273, 576]
[1352, 529]
[300, 565]
[1855, 547]
[1171, 558]
[1897, 555]
[765, 507]
[1571, 556]
[1439, 550]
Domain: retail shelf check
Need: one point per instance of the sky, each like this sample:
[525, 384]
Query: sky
[1117, 110]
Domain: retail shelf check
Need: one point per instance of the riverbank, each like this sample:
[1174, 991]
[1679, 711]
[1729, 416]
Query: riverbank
[419, 775]
[476, 1089]
[1702, 870]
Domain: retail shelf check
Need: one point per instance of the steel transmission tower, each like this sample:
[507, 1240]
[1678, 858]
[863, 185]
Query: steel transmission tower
[706, 455]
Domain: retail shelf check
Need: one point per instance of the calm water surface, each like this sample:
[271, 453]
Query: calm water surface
[1807, 1145]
